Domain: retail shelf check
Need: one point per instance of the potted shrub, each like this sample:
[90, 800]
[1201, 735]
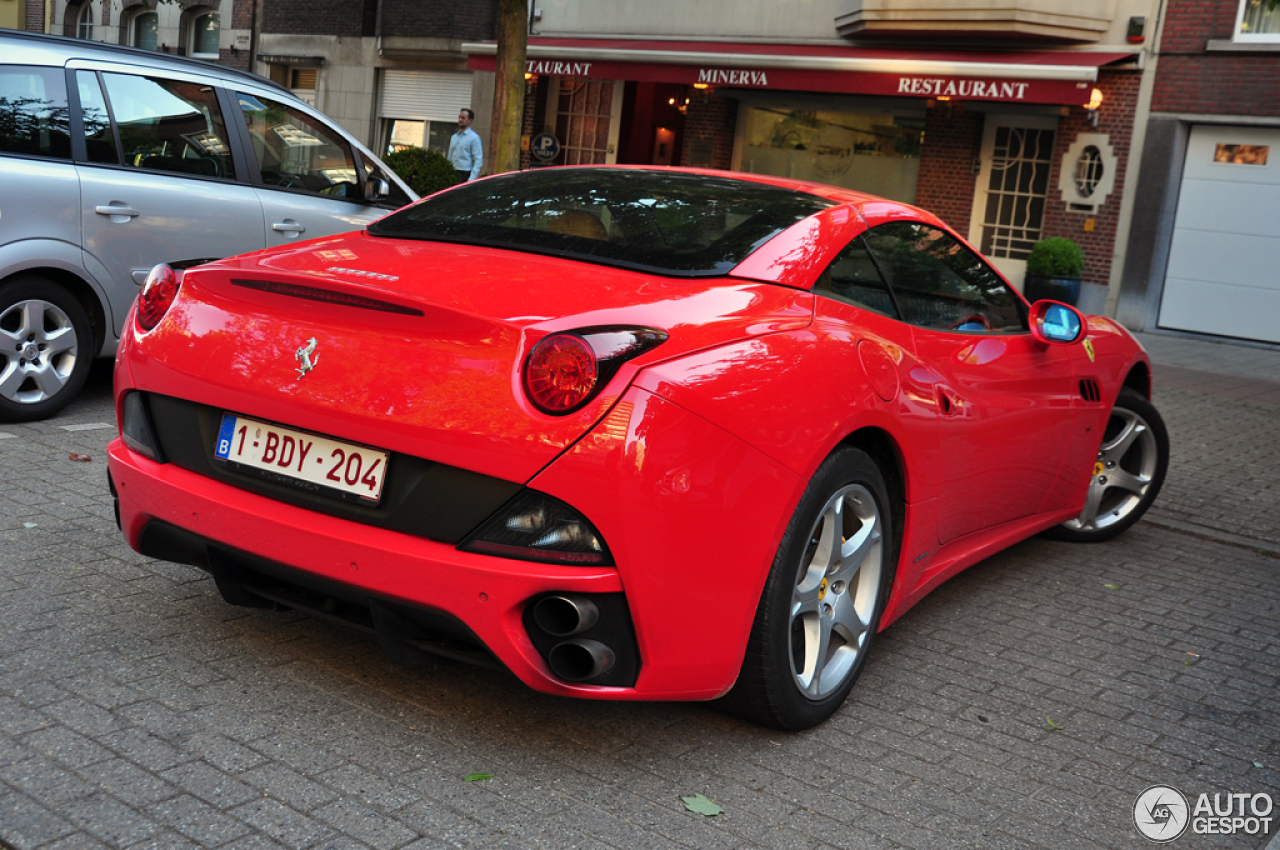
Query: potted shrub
[1053, 271]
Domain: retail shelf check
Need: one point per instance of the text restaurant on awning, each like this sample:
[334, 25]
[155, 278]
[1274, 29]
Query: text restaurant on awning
[1018, 76]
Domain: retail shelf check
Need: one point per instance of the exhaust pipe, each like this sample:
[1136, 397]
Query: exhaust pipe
[567, 615]
[580, 660]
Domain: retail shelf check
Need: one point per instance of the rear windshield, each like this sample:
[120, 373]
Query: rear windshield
[660, 221]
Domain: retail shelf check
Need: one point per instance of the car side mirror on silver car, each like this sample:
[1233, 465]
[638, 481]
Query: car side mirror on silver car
[377, 189]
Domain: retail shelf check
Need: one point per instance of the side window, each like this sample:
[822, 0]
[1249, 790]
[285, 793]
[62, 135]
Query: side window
[170, 125]
[853, 278]
[33, 112]
[939, 283]
[294, 151]
[99, 138]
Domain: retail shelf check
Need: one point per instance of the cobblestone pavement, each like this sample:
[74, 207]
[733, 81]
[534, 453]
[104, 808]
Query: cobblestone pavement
[1025, 704]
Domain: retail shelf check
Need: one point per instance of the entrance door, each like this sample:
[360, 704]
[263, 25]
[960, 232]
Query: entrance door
[1009, 198]
[1221, 276]
[585, 115]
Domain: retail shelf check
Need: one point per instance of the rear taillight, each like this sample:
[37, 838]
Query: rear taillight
[157, 296]
[561, 373]
[565, 370]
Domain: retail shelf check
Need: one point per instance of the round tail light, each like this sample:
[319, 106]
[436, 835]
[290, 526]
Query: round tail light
[157, 296]
[561, 373]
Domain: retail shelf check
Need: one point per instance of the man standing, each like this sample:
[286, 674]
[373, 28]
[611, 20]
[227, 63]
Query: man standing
[465, 150]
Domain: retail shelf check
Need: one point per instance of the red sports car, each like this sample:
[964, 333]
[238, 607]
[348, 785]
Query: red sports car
[631, 433]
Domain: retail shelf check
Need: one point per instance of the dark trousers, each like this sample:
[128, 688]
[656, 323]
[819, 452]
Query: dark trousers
[464, 176]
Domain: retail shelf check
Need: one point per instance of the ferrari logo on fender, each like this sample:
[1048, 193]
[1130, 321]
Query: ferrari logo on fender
[304, 354]
[1088, 349]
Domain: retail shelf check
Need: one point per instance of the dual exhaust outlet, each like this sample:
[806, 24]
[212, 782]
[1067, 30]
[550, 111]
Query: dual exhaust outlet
[576, 659]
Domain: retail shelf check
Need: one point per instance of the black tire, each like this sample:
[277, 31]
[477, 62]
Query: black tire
[849, 490]
[1130, 471]
[46, 347]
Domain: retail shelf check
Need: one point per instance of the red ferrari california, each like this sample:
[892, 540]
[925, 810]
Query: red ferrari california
[629, 433]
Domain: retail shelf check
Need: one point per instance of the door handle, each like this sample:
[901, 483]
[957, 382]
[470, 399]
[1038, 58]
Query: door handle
[289, 226]
[116, 208]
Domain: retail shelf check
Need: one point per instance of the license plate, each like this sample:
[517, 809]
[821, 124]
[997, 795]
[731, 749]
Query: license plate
[302, 457]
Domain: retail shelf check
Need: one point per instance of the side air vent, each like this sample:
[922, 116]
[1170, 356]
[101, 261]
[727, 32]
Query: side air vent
[1089, 390]
[329, 296]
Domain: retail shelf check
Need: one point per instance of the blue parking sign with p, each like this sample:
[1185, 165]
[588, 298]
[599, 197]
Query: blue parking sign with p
[544, 147]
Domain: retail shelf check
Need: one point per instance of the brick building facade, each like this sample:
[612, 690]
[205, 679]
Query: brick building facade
[1199, 257]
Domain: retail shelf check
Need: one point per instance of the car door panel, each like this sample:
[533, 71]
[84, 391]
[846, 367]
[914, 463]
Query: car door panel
[161, 187]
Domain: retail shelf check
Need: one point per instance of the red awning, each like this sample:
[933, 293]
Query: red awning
[1019, 76]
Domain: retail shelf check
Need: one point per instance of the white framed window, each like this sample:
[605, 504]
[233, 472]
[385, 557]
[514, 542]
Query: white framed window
[1258, 20]
[84, 22]
[144, 30]
[206, 29]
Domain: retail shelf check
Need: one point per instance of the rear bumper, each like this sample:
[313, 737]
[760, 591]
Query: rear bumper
[452, 598]
[691, 515]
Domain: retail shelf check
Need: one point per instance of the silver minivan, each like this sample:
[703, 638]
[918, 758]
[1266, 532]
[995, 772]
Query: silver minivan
[114, 159]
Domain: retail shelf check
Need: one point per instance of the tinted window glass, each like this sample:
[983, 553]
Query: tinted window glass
[853, 278]
[939, 283]
[170, 125]
[99, 138]
[33, 112]
[296, 152]
[671, 223]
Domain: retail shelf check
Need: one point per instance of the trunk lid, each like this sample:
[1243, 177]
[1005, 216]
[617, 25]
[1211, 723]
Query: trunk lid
[420, 346]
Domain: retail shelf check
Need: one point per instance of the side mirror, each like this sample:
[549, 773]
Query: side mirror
[377, 189]
[1055, 323]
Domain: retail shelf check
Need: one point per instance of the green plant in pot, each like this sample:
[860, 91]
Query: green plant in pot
[1054, 267]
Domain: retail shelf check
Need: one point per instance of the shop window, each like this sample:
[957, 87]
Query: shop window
[205, 31]
[1258, 20]
[145, 29]
[432, 135]
[874, 153]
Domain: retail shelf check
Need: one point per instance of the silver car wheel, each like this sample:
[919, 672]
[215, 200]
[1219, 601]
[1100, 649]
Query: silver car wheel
[38, 347]
[836, 592]
[1123, 473]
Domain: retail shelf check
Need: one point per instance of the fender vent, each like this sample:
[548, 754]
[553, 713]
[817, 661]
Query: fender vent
[1089, 390]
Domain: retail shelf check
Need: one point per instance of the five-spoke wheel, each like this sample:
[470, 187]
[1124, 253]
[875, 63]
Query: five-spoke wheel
[821, 604]
[1127, 473]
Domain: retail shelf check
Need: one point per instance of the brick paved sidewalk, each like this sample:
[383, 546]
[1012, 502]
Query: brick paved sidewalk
[1025, 704]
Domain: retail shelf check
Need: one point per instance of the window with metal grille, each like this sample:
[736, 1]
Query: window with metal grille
[1016, 192]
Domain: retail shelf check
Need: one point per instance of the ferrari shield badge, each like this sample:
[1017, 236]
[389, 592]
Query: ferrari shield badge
[1088, 349]
[303, 356]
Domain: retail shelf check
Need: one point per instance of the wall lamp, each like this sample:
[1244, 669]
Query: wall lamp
[1093, 106]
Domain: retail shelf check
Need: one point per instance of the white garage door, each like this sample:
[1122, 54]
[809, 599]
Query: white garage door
[1224, 265]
